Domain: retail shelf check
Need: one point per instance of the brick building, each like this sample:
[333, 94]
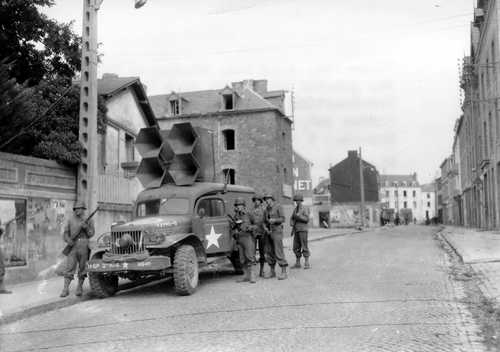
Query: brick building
[252, 135]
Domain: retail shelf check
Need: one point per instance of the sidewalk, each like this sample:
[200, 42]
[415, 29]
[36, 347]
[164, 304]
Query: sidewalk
[481, 250]
[36, 297]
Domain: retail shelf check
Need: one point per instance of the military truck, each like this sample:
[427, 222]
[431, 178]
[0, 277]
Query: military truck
[180, 221]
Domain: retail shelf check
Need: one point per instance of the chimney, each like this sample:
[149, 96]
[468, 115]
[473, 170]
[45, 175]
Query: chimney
[352, 154]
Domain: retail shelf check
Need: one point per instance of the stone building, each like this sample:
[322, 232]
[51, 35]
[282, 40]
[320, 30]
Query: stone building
[403, 194]
[251, 134]
[37, 195]
[345, 191]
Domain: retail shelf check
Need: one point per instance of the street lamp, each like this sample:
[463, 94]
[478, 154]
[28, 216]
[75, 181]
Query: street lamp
[87, 170]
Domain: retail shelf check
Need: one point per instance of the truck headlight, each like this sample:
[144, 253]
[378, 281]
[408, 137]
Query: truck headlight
[104, 240]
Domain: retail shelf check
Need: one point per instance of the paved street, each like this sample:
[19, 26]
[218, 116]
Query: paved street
[384, 290]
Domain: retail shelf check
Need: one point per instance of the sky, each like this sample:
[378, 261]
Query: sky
[381, 75]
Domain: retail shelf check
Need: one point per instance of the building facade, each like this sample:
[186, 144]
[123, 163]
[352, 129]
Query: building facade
[37, 195]
[403, 194]
[252, 135]
[302, 180]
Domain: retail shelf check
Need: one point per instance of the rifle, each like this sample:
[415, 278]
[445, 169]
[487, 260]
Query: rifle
[68, 247]
[235, 223]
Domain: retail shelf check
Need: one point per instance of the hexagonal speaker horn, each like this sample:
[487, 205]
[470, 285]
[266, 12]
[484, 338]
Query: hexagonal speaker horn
[183, 169]
[149, 142]
[182, 138]
[151, 173]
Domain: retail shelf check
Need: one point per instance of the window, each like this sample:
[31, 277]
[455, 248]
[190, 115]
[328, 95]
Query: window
[229, 140]
[129, 148]
[229, 176]
[165, 206]
[405, 204]
[13, 223]
[428, 196]
[211, 207]
[174, 107]
[414, 194]
[228, 101]
[396, 193]
[428, 204]
[404, 194]
[387, 194]
[414, 205]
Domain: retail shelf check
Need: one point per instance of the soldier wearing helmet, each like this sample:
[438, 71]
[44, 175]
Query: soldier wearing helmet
[2, 266]
[274, 219]
[257, 214]
[244, 234]
[298, 222]
[76, 234]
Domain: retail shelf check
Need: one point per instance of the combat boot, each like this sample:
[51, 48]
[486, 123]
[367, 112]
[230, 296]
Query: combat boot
[283, 275]
[246, 275]
[297, 264]
[79, 288]
[252, 271]
[261, 272]
[272, 272]
[306, 263]
[2, 288]
[65, 291]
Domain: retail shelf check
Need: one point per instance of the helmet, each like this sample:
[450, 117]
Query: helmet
[239, 201]
[257, 196]
[298, 197]
[79, 205]
[267, 196]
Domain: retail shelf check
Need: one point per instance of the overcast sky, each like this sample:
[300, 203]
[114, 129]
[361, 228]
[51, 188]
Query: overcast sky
[379, 74]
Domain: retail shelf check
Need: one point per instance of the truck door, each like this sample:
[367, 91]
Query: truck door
[213, 225]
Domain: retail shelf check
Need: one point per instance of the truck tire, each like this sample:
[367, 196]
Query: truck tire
[235, 260]
[103, 285]
[185, 270]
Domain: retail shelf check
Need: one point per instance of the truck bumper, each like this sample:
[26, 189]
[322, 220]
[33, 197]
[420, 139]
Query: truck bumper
[153, 263]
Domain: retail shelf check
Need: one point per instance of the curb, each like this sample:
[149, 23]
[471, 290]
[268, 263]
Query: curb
[445, 238]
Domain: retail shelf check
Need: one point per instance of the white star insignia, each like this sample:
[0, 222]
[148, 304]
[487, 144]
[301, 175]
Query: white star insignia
[213, 238]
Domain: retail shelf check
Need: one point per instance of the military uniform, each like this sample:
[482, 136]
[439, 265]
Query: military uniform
[77, 233]
[298, 221]
[260, 233]
[275, 253]
[244, 234]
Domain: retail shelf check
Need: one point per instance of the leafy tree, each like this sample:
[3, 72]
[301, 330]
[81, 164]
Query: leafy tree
[38, 47]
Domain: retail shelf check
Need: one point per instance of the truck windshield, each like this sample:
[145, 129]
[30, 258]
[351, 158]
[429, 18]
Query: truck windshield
[170, 206]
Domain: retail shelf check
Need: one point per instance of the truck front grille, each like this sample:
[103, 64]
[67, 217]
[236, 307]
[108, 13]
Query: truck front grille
[136, 244]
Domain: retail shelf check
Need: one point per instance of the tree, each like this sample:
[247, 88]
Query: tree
[37, 47]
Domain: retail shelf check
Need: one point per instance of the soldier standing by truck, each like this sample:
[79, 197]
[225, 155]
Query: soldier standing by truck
[274, 219]
[260, 231]
[298, 222]
[244, 233]
[77, 233]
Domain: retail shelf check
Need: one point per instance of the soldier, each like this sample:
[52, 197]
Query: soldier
[274, 218]
[298, 222]
[260, 233]
[244, 233]
[76, 234]
[2, 265]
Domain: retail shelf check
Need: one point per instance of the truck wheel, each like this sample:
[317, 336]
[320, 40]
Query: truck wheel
[235, 260]
[185, 270]
[102, 285]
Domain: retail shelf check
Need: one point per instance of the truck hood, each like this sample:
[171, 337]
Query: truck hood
[155, 223]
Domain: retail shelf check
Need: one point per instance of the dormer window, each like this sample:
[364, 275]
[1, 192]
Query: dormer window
[174, 107]
[228, 102]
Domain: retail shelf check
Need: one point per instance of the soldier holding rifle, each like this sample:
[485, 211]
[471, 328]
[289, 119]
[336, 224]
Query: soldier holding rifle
[260, 231]
[298, 221]
[274, 218]
[243, 231]
[77, 232]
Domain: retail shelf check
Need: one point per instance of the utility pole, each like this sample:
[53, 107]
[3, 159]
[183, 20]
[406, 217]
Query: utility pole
[88, 168]
[362, 189]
